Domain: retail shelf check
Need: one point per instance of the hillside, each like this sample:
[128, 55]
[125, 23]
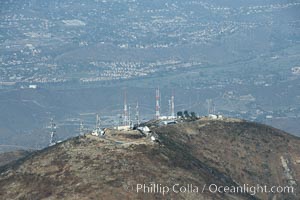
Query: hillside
[191, 154]
[11, 156]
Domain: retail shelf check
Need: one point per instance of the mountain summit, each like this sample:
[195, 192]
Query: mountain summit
[199, 159]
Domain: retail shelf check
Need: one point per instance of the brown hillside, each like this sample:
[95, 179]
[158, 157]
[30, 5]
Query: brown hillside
[196, 153]
[7, 157]
[247, 152]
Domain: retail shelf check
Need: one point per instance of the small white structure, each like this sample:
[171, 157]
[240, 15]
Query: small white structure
[163, 117]
[123, 128]
[97, 132]
[166, 122]
[144, 129]
[152, 138]
[211, 116]
[57, 142]
[166, 117]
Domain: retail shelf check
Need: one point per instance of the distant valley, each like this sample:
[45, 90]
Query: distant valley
[71, 60]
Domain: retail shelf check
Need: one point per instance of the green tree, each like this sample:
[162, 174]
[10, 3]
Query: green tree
[193, 115]
[179, 114]
[186, 114]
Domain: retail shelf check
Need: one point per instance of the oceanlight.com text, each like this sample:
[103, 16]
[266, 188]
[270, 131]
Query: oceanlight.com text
[154, 188]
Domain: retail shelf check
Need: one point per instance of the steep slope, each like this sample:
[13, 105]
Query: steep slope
[249, 153]
[191, 154]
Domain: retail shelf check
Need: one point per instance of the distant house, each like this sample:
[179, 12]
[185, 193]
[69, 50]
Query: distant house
[296, 70]
[32, 86]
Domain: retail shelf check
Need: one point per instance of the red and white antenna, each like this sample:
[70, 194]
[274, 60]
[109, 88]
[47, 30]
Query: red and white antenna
[137, 114]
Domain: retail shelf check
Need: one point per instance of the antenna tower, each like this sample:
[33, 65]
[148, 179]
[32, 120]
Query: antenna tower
[129, 116]
[210, 106]
[81, 128]
[172, 106]
[98, 123]
[53, 133]
[125, 119]
[137, 114]
[157, 105]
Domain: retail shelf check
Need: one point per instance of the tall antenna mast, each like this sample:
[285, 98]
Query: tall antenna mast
[170, 109]
[52, 133]
[210, 106]
[214, 108]
[81, 128]
[157, 105]
[137, 114]
[98, 123]
[172, 106]
[129, 116]
[125, 120]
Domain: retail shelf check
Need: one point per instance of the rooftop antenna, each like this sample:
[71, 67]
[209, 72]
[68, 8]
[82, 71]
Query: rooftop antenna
[157, 105]
[137, 114]
[52, 133]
